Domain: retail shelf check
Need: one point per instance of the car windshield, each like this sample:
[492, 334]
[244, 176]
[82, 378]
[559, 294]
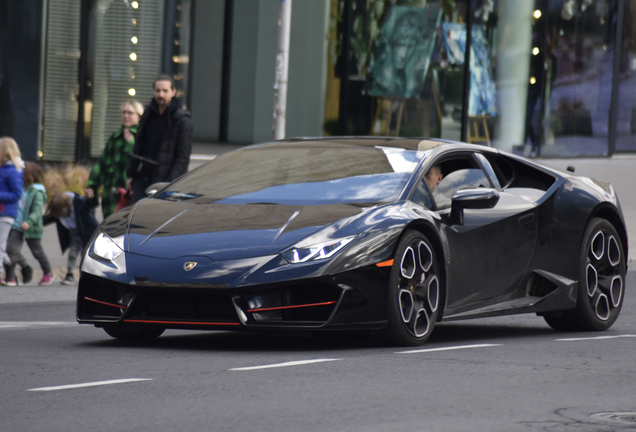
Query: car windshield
[299, 175]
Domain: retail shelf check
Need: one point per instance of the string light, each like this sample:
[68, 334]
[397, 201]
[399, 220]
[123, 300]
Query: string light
[132, 92]
[533, 80]
[134, 39]
[537, 14]
[133, 56]
[535, 51]
[135, 5]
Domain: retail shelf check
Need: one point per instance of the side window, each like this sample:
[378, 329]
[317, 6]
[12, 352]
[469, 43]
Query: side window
[489, 170]
[421, 195]
[457, 174]
[513, 174]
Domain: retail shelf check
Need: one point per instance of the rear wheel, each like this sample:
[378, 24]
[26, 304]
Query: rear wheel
[414, 291]
[601, 285]
[133, 332]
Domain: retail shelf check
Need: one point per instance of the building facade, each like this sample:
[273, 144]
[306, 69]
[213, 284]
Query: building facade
[536, 77]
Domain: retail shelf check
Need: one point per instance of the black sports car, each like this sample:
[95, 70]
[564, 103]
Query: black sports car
[382, 234]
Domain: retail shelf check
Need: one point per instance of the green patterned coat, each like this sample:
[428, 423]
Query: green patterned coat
[110, 169]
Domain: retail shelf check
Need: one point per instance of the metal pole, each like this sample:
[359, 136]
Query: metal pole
[81, 152]
[224, 119]
[466, 95]
[347, 30]
[282, 68]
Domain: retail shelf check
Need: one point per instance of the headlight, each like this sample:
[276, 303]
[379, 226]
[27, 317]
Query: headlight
[108, 248]
[316, 252]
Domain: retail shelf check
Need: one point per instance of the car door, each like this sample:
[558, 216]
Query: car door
[487, 255]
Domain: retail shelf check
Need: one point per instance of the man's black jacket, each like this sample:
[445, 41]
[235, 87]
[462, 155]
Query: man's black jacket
[173, 154]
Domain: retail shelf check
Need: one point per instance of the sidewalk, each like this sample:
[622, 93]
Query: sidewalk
[620, 171]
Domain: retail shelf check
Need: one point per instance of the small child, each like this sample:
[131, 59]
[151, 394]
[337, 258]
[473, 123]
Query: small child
[10, 191]
[75, 225]
[28, 225]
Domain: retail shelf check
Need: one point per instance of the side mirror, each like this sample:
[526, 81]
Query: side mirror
[155, 187]
[472, 199]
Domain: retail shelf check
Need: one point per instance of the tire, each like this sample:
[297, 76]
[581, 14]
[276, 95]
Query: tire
[601, 286]
[133, 333]
[415, 291]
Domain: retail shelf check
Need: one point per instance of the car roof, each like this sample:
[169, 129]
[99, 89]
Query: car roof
[416, 144]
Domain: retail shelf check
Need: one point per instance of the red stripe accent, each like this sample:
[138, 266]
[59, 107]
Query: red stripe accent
[180, 322]
[104, 303]
[292, 307]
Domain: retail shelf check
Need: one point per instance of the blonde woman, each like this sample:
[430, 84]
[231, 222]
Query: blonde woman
[11, 166]
[110, 169]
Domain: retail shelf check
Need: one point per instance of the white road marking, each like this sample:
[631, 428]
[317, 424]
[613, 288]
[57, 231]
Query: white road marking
[594, 338]
[277, 365]
[448, 348]
[90, 384]
[31, 324]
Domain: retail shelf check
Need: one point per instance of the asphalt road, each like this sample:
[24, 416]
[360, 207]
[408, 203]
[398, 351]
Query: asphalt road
[498, 374]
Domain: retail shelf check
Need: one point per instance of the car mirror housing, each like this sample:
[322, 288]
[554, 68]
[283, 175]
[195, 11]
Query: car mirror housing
[482, 198]
[155, 187]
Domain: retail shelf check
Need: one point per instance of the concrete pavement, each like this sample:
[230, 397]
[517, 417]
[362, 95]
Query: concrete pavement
[620, 171]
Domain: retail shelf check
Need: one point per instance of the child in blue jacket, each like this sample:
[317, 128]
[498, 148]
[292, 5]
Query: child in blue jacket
[10, 190]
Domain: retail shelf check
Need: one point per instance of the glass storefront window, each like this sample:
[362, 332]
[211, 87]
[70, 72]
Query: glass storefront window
[176, 45]
[626, 110]
[20, 48]
[124, 54]
[552, 67]
[394, 75]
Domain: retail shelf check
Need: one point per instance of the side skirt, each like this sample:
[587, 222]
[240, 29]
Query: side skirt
[561, 296]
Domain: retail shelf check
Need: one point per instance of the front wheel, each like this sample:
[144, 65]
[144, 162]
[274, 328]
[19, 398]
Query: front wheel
[133, 333]
[414, 292]
[601, 285]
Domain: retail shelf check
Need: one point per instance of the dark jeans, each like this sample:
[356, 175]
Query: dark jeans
[74, 250]
[14, 250]
[139, 189]
[533, 98]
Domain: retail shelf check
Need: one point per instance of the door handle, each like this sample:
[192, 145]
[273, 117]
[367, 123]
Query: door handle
[526, 219]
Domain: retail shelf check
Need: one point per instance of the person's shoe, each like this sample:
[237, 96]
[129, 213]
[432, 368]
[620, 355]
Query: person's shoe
[11, 282]
[27, 274]
[47, 279]
[69, 279]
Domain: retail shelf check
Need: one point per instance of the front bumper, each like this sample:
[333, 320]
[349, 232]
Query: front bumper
[348, 300]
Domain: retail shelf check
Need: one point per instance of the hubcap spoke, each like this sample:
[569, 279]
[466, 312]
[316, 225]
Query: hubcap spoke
[597, 246]
[406, 305]
[407, 266]
[426, 256]
[613, 251]
[421, 323]
[602, 308]
[433, 293]
[616, 290]
[591, 279]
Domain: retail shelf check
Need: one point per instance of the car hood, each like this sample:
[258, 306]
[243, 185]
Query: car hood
[169, 230]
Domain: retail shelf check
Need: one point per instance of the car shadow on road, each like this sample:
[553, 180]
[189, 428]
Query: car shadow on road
[279, 341]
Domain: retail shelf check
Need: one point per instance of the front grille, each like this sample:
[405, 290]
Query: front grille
[104, 300]
[311, 303]
[98, 299]
[183, 305]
